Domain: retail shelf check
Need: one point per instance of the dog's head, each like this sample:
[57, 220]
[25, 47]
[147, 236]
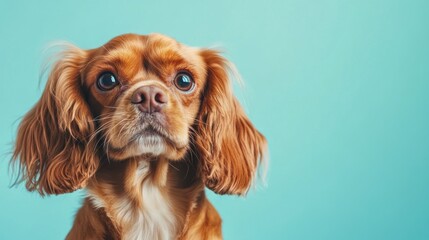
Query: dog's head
[137, 97]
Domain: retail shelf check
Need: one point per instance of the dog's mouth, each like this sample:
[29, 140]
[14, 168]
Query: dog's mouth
[152, 139]
[150, 130]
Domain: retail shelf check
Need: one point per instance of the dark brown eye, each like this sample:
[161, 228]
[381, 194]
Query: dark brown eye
[184, 82]
[107, 81]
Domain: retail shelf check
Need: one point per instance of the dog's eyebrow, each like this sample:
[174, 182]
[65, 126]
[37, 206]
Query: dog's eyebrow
[92, 60]
[157, 61]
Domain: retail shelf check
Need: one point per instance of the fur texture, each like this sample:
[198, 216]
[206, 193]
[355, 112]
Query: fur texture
[144, 164]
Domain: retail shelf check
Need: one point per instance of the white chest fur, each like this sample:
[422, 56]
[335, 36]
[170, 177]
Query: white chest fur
[155, 220]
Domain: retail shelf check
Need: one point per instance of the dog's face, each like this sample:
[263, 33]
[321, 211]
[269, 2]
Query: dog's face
[137, 97]
[145, 93]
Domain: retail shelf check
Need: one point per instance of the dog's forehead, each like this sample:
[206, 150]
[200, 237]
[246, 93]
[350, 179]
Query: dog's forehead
[132, 54]
[134, 51]
[133, 44]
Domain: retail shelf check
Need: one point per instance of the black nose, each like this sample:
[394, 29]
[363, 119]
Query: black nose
[150, 99]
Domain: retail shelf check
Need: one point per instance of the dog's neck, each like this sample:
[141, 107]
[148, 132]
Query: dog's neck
[147, 199]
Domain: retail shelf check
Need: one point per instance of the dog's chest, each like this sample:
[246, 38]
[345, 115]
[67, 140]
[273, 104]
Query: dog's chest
[154, 220]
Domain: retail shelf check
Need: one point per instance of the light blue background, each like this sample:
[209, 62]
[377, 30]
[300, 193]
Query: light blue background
[339, 88]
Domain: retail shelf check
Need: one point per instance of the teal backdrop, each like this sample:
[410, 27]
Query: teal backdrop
[339, 88]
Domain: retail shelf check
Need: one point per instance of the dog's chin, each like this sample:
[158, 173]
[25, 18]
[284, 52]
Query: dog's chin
[149, 146]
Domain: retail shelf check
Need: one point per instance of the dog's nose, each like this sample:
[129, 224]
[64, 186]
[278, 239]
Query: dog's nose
[149, 99]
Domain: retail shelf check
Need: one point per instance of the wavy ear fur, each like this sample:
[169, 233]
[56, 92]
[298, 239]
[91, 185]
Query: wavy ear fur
[53, 144]
[229, 145]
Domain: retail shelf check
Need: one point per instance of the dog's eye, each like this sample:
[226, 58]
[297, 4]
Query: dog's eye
[184, 82]
[107, 81]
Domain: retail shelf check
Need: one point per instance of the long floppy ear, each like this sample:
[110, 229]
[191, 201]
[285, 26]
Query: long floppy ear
[53, 144]
[228, 144]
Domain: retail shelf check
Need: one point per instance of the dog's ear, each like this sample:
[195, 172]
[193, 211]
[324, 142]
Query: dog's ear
[227, 142]
[53, 146]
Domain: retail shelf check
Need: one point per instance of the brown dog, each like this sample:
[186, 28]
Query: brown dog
[144, 123]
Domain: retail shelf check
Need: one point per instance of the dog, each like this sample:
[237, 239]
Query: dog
[144, 124]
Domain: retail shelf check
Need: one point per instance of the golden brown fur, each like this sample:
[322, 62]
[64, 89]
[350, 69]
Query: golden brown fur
[144, 170]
